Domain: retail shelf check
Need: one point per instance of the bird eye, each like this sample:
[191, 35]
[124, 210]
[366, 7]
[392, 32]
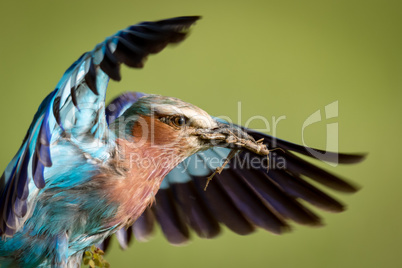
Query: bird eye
[179, 121]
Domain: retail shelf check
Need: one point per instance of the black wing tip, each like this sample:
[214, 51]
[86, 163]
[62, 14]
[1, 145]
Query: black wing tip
[140, 40]
[333, 157]
[350, 188]
[352, 158]
[184, 20]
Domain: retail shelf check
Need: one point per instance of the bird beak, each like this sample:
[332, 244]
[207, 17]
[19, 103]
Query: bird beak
[232, 137]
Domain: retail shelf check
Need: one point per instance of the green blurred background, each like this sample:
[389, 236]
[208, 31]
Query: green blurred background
[276, 57]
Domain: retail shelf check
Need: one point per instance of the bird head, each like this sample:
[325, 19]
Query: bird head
[172, 124]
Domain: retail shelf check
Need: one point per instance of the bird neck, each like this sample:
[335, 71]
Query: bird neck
[142, 170]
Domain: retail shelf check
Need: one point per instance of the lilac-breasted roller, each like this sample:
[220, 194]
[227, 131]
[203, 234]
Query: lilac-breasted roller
[85, 171]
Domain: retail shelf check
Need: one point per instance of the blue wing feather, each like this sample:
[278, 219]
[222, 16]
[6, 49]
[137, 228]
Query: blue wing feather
[76, 109]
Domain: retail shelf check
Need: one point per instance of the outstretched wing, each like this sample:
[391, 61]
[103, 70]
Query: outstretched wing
[244, 196]
[76, 109]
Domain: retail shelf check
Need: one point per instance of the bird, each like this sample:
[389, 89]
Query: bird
[87, 170]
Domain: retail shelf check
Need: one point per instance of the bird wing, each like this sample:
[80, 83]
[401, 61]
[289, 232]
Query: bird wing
[76, 109]
[244, 196]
